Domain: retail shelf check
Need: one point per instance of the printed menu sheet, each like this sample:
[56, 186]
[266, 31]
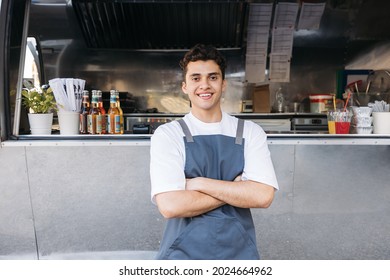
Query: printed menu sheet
[280, 67]
[282, 41]
[285, 15]
[257, 42]
[310, 17]
[284, 23]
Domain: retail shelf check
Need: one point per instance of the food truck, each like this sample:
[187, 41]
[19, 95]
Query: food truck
[290, 63]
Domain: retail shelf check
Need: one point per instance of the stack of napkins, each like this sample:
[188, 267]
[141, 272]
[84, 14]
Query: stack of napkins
[68, 93]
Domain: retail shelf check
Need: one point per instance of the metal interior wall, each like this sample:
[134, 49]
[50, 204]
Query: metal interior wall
[154, 77]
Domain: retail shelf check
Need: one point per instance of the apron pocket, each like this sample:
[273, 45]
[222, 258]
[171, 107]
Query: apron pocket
[235, 242]
[196, 242]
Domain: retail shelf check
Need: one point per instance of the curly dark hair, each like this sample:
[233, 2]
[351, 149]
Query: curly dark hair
[203, 52]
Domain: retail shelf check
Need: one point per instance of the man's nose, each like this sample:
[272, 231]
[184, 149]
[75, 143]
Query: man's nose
[204, 83]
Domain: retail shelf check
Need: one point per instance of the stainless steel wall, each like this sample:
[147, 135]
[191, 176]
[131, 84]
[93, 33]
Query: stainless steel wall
[154, 77]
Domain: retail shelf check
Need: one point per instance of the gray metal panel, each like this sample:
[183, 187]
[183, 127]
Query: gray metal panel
[92, 199]
[272, 238]
[17, 239]
[84, 210]
[283, 160]
[341, 204]
[312, 217]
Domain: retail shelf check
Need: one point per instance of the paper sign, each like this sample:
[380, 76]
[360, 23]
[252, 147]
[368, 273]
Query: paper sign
[310, 17]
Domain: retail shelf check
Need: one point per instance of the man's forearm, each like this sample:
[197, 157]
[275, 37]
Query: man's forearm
[186, 203]
[244, 194]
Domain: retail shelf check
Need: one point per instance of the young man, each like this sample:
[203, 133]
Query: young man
[208, 169]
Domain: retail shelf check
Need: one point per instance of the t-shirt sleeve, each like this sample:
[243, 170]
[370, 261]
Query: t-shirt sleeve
[166, 162]
[258, 163]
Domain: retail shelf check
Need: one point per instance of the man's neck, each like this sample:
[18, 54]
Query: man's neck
[207, 116]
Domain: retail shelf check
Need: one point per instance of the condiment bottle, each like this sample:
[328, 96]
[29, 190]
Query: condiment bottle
[95, 116]
[85, 107]
[102, 112]
[120, 112]
[113, 115]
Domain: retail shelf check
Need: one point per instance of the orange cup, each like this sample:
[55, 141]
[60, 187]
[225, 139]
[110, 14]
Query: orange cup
[332, 127]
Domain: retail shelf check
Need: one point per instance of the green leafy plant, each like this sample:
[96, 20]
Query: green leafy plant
[39, 100]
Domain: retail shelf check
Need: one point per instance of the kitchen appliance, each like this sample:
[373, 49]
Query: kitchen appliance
[141, 128]
[315, 123]
[279, 125]
[147, 123]
[247, 106]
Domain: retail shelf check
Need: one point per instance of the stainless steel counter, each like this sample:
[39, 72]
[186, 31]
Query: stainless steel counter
[279, 138]
[320, 138]
[243, 115]
[66, 194]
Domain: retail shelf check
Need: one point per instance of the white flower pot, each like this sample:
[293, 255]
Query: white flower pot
[40, 124]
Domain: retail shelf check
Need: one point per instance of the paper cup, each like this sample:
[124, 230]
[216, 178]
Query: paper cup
[69, 122]
[381, 122]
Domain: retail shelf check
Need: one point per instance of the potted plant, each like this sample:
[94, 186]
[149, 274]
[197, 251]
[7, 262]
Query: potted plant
[41, 104]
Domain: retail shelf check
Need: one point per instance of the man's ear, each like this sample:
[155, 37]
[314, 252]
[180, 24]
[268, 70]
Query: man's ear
[224, 83]
[184, 87]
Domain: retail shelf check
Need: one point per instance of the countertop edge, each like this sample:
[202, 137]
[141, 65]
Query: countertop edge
[144, 140]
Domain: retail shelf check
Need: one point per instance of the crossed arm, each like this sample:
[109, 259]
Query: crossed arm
[203, 194]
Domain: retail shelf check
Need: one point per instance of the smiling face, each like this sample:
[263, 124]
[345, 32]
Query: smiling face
[204, 85]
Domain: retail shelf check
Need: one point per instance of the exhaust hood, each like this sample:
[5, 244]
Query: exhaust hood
[161, 25]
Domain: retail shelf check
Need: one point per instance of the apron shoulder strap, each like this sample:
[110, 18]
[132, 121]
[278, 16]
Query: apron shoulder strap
[189, 138]
[186, 130]
[240, 131]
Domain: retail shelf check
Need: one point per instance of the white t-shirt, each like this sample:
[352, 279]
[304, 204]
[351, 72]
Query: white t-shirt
[168, 152]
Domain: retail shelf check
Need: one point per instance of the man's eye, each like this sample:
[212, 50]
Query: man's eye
[214, 77]
[195, 79]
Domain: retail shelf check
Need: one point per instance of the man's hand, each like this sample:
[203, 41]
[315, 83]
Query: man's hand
[238, 178]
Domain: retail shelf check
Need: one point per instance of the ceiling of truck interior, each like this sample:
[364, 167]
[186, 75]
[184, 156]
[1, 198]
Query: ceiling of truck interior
[170, 25]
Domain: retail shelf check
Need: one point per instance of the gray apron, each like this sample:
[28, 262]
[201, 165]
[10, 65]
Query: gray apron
[223, 233]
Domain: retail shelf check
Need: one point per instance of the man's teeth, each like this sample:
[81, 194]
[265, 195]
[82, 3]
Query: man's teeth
[204, 94]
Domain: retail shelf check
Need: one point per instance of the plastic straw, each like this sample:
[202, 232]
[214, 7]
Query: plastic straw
[368, 87]
[334, 102]
[379, 106]
[357, 88]
[346, 102]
